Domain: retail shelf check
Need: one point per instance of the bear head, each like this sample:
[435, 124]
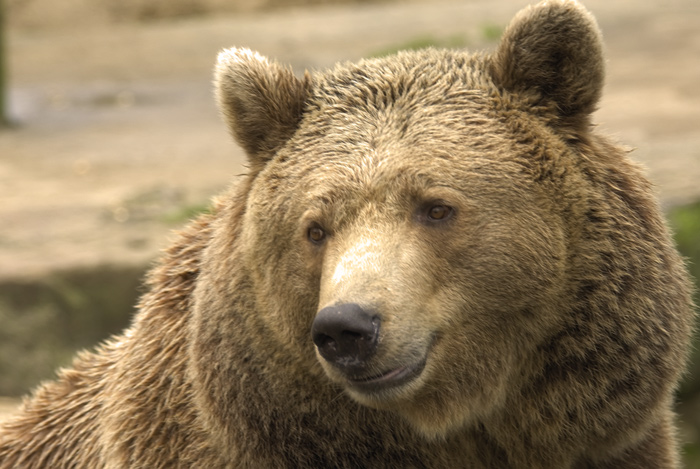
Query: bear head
[412, 223]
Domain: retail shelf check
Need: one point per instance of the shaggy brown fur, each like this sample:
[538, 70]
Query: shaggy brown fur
[529, 308]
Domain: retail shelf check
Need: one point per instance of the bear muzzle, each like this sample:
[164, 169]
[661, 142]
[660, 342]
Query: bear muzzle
[346, 337]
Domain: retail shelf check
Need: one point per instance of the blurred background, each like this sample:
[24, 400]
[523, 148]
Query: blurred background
[111, 139]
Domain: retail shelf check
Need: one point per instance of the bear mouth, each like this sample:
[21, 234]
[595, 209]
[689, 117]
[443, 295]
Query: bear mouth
[386, 380]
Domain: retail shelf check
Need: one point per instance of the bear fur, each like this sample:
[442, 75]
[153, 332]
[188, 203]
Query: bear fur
[521, 302]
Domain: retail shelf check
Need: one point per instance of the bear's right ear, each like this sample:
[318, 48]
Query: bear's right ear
[552, 53]
[261, 102]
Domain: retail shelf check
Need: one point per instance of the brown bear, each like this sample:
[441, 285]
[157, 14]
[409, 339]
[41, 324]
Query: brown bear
[433, 262]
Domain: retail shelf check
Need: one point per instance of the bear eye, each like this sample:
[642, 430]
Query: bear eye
[316, 234]
[439, 212]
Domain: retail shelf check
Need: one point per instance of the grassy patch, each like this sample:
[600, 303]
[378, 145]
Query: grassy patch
[691, 455]
[186, 213]
[424, 42]
[685, 222]
[486, 35]
[491, 32]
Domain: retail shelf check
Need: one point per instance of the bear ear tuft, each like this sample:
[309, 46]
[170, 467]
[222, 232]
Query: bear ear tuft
[553, 52]
[261, 101]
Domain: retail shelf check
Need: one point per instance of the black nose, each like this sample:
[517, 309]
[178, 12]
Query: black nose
[346, 335]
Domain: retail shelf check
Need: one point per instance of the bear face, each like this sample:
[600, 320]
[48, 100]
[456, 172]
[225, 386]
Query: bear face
[441, 235]
[407, 191]
[390, 211]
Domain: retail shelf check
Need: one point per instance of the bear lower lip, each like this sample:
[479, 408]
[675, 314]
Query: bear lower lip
[389, 379]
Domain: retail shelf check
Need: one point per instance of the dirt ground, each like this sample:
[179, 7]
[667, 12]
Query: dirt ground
[117, 134]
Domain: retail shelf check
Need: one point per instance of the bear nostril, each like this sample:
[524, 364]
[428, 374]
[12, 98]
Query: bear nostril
[326, 342]
[346, 334]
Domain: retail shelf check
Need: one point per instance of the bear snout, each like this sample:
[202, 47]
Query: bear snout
[346, 335]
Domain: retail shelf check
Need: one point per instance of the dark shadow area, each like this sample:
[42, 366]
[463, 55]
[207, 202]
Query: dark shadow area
[46, 321]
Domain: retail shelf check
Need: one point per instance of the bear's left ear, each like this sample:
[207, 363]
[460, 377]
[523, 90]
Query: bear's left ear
[261, 101]
[553, 52]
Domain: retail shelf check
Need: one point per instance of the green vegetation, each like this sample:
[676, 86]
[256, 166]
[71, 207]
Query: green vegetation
[186, 213]
[685, 221]
[492, 32]
[423, 42]
[489, 33]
